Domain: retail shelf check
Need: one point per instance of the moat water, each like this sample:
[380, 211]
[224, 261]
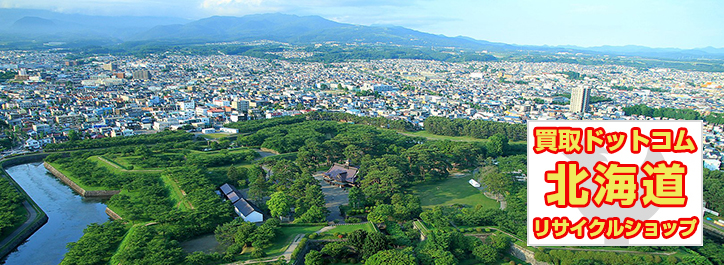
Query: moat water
[68, 214]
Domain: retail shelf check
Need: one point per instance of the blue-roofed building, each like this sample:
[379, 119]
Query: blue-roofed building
[245, 209]
[248, 211]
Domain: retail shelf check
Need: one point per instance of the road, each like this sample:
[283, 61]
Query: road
[717, 229]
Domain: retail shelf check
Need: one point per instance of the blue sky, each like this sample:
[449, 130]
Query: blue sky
[653, 23]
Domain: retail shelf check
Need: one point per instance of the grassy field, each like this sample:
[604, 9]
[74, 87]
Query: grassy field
[431, 136]
[212, 136]
[350, 228]
[124, 242]
[346, 229]
[282, 242]
[101, 163]
[126, 161]
[175, 194]
[452, 191]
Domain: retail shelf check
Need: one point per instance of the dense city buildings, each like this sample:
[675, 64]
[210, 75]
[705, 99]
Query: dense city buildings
[145, 95]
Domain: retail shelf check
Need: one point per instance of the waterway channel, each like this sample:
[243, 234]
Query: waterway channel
[68, 214]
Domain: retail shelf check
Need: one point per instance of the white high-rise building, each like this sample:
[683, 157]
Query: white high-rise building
[579, 99]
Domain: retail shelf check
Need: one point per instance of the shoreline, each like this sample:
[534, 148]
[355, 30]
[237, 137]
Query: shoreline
[36, 216]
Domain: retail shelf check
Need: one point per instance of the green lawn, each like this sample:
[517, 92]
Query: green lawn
[282, 242]
[114, 169]
[431, 136]
[175, 194]
[347, 229]
[218, 135]
[124, 242]
[452, 191]
[126, 161]
[350, 228]
[101, 163]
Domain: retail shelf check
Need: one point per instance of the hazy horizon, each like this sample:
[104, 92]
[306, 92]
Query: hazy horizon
[649, 23]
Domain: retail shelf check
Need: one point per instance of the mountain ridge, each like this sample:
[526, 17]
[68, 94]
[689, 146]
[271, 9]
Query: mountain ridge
[42, 25]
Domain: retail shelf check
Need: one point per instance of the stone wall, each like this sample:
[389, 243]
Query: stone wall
[269, 150]
[100, 193]
[23, 159]
[78, 189]
[113, 215]
[525, 255]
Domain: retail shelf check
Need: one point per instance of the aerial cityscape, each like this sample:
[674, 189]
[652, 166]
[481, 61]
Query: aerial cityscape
[244, 136]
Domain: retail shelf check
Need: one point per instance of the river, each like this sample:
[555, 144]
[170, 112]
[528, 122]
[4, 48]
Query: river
[68, 214]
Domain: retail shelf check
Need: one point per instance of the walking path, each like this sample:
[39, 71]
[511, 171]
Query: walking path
[122, 169]
[325, 229]
[31, 217]
[287, 255]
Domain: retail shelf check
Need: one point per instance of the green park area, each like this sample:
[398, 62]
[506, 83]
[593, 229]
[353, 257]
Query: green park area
[216, 136]
[431, 136]
[409, 187]
[450, 192]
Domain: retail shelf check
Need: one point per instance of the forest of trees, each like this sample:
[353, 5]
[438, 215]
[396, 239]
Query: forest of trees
[5, 75]
[682, 114]
[238, 234]
[599, 257]
[145, 199]
[445, 247]
[379, 122]
[643, 110]
[572, 75]
[474, 128]
[89, 173]
[146, 139]
[714, 189]
[390, 163]
[98, 244]
[255, 125]
[10, 201]
[148, 245]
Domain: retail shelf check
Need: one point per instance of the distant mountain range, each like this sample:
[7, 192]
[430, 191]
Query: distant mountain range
[23, 25]
[42, 25]
[296, 30]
